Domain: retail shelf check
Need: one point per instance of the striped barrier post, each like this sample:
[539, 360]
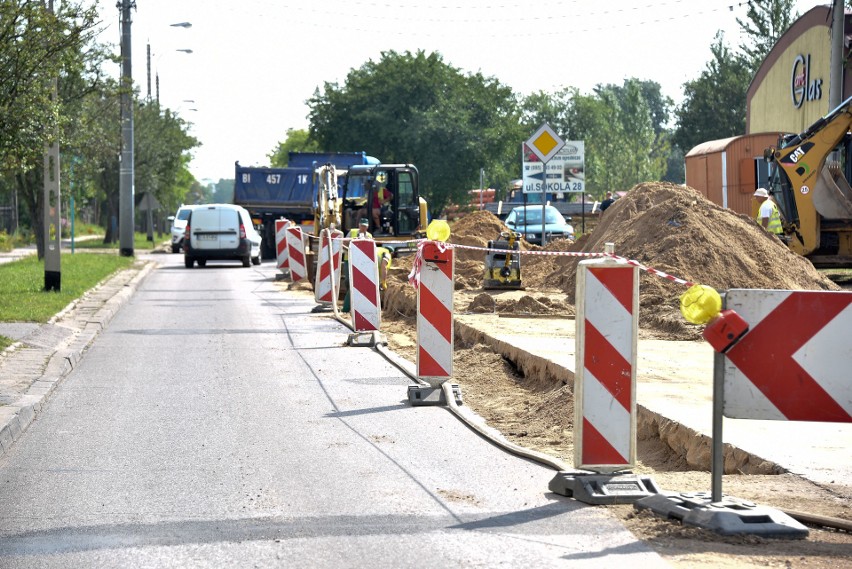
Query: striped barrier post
[364, 285]
[328, 266]
[296, 254]
[281, 256]
[607, 325]
[605, 380]
[434, 324]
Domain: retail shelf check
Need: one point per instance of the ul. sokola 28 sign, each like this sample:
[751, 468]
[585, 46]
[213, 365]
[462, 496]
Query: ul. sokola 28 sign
[565, 170]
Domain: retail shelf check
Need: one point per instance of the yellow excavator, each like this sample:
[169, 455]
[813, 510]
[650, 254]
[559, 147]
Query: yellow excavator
[810, 184]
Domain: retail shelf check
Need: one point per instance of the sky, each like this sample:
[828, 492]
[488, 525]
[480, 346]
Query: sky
[254, 63]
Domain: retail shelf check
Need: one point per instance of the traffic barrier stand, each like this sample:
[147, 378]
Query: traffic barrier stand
[327, 280]
[435, 291]
[801, 375]
[281, 255]
[296, 254]
[364, 294]
[607, 324]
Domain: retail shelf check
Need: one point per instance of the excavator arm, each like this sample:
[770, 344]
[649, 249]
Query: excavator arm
[812, 191]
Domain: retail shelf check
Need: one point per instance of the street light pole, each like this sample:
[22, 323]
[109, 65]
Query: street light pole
[126, 197]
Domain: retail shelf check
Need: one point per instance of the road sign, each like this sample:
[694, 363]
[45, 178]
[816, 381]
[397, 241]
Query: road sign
[545, 143]
[793, 363]
[565, 171]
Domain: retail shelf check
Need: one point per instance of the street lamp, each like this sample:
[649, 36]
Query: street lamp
[183, 50]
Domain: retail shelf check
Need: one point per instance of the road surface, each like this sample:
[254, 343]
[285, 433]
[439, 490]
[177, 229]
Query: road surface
[217, 422]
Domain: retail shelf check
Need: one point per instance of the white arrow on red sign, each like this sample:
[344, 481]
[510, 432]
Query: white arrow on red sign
[795, 361]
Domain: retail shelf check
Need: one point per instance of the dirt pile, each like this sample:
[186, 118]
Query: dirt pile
[664, 226]
[676, 230]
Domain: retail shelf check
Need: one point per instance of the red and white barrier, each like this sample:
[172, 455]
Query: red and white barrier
[296, 254]
[793, 364]
[281, 255]
[605, 380]
[435, 314]
[364, 286]
[327, 279]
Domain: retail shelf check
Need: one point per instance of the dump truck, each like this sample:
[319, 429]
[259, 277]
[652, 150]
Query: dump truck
[318, 190]
[809, 180]
[291, 192]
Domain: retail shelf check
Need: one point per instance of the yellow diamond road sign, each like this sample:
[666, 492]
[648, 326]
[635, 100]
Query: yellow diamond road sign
[545, 143]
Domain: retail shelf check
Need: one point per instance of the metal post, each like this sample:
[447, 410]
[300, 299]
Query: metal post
[150, 217]
[543, 201]
[481, 174]
[126, 190]
[71, 208]
[51, 215]
[717, 458]
[149, 71]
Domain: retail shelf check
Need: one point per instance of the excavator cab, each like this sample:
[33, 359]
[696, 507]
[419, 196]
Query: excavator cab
[810, 183]
[387, 195]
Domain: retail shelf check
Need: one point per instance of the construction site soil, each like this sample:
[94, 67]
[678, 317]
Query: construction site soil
[674, 230]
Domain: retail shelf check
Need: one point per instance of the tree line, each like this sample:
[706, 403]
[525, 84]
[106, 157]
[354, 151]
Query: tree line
[38, 45]
[404, 108]
[416, 108]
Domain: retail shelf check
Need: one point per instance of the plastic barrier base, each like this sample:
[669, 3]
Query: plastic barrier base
[369, 339]
[422, 395]
[322, 308]
[606, 489]
[283, 276]
[731, 516]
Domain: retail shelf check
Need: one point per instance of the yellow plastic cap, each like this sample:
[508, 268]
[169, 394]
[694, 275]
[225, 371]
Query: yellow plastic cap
[438, 230]
[700, 304]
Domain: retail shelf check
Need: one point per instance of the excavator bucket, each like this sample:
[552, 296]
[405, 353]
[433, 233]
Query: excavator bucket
[832, 195]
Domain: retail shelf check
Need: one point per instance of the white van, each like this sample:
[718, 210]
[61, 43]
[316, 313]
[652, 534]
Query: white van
[220, 232]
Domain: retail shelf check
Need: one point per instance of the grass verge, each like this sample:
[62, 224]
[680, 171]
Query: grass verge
[140, 241]
[22, 295]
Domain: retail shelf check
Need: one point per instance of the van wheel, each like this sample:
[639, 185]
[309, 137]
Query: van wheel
[188, 262]
[247, 261]
[255, 260]
[175, 248]
[202, 262]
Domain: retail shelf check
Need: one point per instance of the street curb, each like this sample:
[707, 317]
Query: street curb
[15, 418]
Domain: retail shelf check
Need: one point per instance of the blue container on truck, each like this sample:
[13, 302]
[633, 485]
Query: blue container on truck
[272, 193]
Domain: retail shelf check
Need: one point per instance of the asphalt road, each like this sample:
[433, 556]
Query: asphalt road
[217, 422]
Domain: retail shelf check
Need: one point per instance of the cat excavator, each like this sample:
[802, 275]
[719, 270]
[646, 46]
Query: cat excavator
[809, 180]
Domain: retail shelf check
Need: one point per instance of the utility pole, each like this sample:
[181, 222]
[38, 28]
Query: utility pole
[52, 225]
[149, 72]
[125, 182]
[835, 96]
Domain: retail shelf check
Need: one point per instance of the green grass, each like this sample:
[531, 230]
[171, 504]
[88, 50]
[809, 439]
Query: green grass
[5, 342]
[140, 241]
[22, 295]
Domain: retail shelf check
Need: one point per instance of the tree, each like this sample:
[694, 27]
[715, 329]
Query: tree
[296, 141]
[414, 108]
[161, 159]
[714, 104]
[624, 139]
[37, 46]
[766, 21]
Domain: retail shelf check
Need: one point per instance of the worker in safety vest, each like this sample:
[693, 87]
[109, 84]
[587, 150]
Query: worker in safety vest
[356, 233]
[768, 216]
[383, 258]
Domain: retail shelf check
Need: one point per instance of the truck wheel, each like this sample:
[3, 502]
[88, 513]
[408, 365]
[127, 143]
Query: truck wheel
[255, 260]
[188, 262]
[247, 261]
